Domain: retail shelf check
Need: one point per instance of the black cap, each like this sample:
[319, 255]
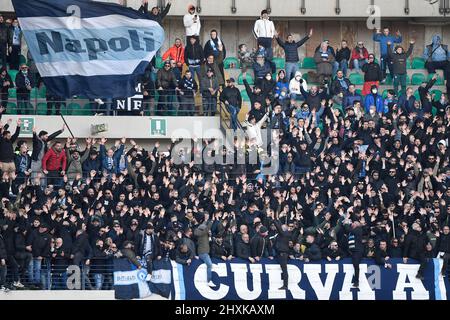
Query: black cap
[232, 80]
[263, 229]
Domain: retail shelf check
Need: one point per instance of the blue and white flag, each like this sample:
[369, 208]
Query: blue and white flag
[161, 281]
[129, 282]
[88, 48]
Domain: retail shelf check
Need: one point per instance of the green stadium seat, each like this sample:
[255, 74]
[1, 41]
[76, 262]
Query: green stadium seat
[13, 73]
[34, 93]
[408, 63]
[339, 107]
[417, 79]
[42, 92]
[11, 108]
[439, 80]
[280, 63]
[159, 62]
[418, 63]
[230, 61]
[41, 108]
[249, 79]
[356, 79]
[417, 95]
[309, 63]
[437, 94]
[359, 91]
[12, 93]
[78, 110]
[385, 92]
[305, 77]
[244, 95]
[389, 80]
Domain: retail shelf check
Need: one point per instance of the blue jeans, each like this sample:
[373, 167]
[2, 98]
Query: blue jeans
[98, 277]
[291, 69]
[335, 68]
[209, 105]
[59, 280]
[233, 113]
[343, 65]
[196, 70]
[46, 278]
[34, 271]
[358, 63]
[207, 260]
[267, 44]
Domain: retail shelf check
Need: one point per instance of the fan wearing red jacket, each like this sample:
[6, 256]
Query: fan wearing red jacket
[54, 164]
[176, 52]
[359, 56]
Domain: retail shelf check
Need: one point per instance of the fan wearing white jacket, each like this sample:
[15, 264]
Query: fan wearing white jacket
[264, 31]
[296, 83]
[192, 24]
[254, 129]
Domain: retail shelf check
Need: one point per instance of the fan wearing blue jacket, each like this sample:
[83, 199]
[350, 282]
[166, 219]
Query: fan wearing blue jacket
[113, 161]
[383, 39]
[374, 99]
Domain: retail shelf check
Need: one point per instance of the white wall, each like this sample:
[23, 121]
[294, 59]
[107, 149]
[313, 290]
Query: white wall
[129, 127]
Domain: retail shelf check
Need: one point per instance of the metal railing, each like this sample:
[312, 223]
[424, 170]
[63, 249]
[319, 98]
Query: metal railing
[73, 277]
[162, 105]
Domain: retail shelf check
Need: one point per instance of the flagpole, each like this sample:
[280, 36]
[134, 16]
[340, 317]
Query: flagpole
[67, 125]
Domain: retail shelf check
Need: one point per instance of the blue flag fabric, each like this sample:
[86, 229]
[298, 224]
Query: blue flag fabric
[87, 48]
[129, 282]
[161, 281]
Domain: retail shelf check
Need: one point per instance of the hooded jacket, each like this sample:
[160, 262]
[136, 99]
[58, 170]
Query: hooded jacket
[192, 28]
[38, 144]
[372, 72]
[290, 48]
[6, 147]
[436, 51]
[294, 85]
[373, 100]
[202, 234]
[383, 40]
[399, 60]
[155, 17]
[264, 28]
[175, 53]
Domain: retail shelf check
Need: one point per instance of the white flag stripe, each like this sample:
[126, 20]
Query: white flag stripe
[88, 68]
[74, 23]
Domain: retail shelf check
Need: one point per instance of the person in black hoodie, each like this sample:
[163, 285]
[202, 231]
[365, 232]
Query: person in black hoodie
[355, 246]
[39, 243]
[414, 248]
[343, 56]
[231, 97]
[398, 60]
[194, 57]
[155, 14]
[24, 84]
[425, 95]
[219, 250]
[243, 248]
[3, 41]
[443, 248]
[372, 74]
[312, 251]
[7, 150]
[22, 256]
[282, 249]
[187, 88]
[260, 245]
[98, 264]
[5, 84]
[212, 48]
[60, 262]
[3, 257]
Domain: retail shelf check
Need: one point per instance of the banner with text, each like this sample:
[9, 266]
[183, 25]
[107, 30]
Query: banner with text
[239, 280]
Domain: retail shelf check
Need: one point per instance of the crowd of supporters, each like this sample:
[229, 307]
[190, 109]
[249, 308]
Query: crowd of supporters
[370, 178]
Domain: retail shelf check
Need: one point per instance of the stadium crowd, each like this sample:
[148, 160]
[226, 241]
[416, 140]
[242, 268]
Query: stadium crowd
[368, 180]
